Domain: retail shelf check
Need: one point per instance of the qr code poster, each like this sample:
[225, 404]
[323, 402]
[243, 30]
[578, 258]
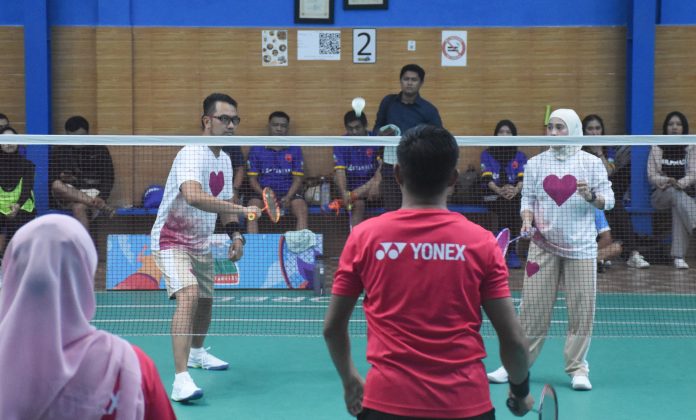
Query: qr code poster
[274, 48]
[319, 45]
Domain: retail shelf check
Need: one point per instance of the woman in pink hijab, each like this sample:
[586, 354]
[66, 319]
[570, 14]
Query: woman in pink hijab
[54, 364]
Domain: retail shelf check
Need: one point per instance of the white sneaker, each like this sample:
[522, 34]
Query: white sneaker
[680, 264]
[581, 383]
[184, 389]
[201, 359]
[498, 376]
[637, 261]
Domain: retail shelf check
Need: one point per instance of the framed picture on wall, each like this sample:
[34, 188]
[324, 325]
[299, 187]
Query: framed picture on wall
[314, 11]
[365, 4]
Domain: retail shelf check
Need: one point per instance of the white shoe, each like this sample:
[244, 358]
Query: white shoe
[680, 264]
[498, 376]
[637, 261]
[201, 359]
[184, 389]
[581, 383]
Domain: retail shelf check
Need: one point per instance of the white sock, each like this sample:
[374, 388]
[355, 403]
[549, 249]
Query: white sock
[182, 376]
[196, 351]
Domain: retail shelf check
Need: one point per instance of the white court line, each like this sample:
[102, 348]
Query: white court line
[362, 321]
[599, 308]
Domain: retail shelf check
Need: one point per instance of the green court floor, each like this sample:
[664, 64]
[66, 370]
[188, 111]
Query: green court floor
[280, 369]
[291, 378]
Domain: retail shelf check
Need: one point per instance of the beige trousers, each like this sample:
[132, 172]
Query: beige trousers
[683, 216]
[538, 298]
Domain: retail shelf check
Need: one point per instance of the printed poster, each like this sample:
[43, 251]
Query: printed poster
[274, 48]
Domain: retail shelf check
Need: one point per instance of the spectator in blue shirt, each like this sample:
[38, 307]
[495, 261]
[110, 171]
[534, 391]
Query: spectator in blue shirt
[357, 169]
[404, 110]
[502, 172]
[281, 168]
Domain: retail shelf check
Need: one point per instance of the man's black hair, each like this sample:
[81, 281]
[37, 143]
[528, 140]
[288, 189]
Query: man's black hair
[350, 117]
[75, 123]
[414, 68]
[278, 114]
[212, 99]
[427, 156]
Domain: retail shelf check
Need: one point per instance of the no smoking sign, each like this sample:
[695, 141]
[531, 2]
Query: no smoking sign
[454, 48]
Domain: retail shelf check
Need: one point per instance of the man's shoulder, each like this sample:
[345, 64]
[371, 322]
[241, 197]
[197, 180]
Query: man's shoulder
[425, 103]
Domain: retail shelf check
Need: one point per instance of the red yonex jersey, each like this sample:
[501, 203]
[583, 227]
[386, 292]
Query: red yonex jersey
[425, 274]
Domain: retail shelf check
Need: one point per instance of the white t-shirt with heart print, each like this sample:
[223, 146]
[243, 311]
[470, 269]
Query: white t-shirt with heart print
[565, 220]
[178, 224]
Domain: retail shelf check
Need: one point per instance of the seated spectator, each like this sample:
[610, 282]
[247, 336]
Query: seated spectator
[502, 175]
[81, 176]
[16, 191]
[55, 365]
[672, 174]
[280, 168]
[357, 169]
[4, 121]
[593, 125]
[606, 247]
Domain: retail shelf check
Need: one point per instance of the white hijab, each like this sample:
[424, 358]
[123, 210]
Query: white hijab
[572, 121]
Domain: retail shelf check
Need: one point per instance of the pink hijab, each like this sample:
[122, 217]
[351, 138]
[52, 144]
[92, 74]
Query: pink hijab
[53, 363]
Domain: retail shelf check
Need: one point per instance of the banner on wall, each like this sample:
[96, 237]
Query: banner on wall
[454, 48]
[271, 261]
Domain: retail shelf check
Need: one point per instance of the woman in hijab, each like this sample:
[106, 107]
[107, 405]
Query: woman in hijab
[502, 172]
[672, 174]
[55, 365]
[563, 186]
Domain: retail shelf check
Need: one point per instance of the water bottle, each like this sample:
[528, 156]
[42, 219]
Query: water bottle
[324, 194]
[318, 283]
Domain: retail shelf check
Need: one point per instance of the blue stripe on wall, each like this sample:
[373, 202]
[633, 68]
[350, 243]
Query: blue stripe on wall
[280, 13]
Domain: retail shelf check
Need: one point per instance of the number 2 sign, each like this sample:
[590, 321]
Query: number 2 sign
[364, 46]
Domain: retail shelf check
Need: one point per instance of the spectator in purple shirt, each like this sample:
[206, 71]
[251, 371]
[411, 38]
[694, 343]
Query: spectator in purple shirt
[281, 168]
[358, 173]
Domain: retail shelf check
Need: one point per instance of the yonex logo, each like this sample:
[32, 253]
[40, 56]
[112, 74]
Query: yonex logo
[390, 249]
[423, 251]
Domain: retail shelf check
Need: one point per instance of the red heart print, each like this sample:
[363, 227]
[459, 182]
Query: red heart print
[216, 182]
[532, 268]
[560, 190]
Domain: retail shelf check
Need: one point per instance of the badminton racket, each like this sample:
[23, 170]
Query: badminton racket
[504, 240]
[547, 409]
[270, 206]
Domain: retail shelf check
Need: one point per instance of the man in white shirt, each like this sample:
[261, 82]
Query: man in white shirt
[198, 189]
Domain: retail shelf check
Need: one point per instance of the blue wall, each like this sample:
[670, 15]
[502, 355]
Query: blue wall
[401, 13]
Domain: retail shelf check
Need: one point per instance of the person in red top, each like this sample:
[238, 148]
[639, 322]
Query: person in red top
[425, 272]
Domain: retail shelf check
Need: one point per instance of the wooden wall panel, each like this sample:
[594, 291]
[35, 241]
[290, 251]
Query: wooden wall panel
[74, 76]
[12, 80]
[675, 74]
[512, 73]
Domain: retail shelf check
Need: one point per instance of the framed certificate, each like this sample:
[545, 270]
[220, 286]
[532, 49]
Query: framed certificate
[365, 4]
[314, 11]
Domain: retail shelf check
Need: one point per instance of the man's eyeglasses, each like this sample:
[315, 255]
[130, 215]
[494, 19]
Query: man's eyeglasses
[226, 119]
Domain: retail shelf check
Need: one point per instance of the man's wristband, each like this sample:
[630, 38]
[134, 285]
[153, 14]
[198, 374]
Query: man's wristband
[520, 390]
[233, 230]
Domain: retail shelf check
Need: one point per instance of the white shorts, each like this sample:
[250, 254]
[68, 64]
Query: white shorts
[182, 269]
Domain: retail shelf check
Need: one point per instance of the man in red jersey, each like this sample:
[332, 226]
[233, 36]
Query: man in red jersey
[425, 272]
